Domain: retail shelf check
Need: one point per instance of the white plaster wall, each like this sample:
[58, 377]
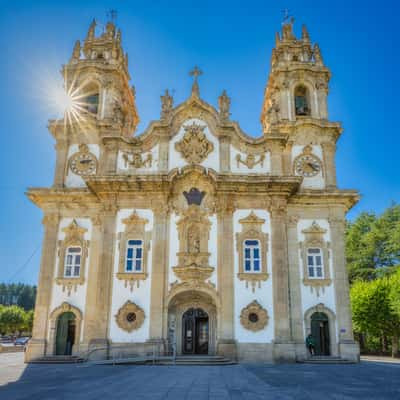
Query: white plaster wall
[244, 296]
[327, 295]
[314, 182]
[243, 169]
[140, 295]
[74, 180]
[124, 168]
[76, 298]
[174, 248]
[175, 158]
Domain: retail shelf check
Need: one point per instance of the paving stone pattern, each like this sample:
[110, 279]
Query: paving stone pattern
[278, 382]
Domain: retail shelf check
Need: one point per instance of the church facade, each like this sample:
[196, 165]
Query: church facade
[194, 233]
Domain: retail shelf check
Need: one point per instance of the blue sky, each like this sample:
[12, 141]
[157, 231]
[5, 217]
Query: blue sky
[231, 41]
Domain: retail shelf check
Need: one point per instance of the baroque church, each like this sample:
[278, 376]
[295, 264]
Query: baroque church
[193, 234]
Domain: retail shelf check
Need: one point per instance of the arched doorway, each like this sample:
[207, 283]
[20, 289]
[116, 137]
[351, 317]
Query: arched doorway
[65, 335]
[195, 331]
[320, 333]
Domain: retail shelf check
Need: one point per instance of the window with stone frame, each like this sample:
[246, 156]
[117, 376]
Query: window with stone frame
[134, 256]
[301, 101]
[315, 258]
[252, 255]
[72, 253]
[252, 247]
[134, 244]
[315, 264]
[72, 262]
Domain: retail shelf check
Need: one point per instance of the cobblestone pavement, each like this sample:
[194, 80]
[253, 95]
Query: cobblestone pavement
[367, 381]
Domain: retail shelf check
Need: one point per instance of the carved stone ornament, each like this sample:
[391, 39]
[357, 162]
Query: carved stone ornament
[250, 161]
[83, 162]
[136, 160]
[130, 317]
[134, 230]
[194, 146]
[252, 229]
[74, 237]
[193, 230]
[314, 238]
[254, 317]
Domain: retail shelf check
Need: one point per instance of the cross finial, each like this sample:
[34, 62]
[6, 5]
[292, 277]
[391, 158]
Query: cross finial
[112, 15]
[196, 72]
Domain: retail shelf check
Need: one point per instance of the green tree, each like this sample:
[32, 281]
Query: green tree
[12, 319]
[373, 310]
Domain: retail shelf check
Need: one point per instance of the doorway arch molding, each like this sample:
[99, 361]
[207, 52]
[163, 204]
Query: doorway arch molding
[321, 308]
[182, 302]
[55, 314]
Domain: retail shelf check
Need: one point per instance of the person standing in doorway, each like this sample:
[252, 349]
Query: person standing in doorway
[310, 343]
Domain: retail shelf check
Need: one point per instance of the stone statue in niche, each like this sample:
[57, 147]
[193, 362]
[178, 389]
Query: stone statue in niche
[273, 112]
[167, 103]
[193, 240]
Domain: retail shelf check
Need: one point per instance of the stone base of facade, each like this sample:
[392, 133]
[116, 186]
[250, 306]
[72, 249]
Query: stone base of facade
[301, 351]
[350, 351]
[36, 348]
[284, 352]
[228, 349]
[255, 352]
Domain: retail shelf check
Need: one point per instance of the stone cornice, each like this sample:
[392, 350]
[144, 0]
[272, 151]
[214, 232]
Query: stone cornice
[344, 198]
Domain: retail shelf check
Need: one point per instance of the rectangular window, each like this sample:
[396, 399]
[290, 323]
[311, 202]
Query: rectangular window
[73, 258]
[314, 263]
[252, 255]
[134, 256]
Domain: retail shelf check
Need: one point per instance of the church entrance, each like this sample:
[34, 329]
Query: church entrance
[195, 331]
[320, 332]
[66, 326]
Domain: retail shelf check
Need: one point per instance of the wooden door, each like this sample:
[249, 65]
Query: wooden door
[65, 335]
[195, 332]
[320, 333]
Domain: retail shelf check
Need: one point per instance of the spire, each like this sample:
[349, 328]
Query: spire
[76, 52]
[317, 55]
[92, 27]
[304, 34]
[277, 39]
[195, 72]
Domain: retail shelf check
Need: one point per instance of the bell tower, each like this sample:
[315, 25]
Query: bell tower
[298, 82]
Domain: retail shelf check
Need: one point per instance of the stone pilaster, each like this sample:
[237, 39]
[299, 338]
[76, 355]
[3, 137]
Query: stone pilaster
[163, 152]
[61, 162]
[283, 347]
[277, 159]
[347, 346]
[108, 160]
[322, 94]
[37, 345]
[329, 150]
[295, 300]
[226, 344]
[158, 271]
[224, 154]
[91, 330]
[287, 159]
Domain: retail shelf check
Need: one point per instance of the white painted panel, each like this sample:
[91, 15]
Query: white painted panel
[314, 182]
[76, 298]
[125, 168]
[74, 180]
[173, 248]
[326, 296]
[240, 168]
[140, 295]
[244, 296]
[175, 158]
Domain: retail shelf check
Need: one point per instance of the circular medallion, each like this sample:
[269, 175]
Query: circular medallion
[131, 317]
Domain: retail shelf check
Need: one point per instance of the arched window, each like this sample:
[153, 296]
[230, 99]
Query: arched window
[73, 258]
[315, 263]
[89, 99]
[301, 101]
[252, 255]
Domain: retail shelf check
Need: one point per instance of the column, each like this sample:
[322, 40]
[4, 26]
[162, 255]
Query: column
[91, 329]
[287, 159]
[329, 149]
[158, 271]
[37, 345]
[61, 162]
[224, 154]
[226, 344]
[276, 158]
[163, 152]
[283, 348]
[295, 300]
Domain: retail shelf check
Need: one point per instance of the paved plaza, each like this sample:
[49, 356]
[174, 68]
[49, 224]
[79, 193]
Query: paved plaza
[367, 380]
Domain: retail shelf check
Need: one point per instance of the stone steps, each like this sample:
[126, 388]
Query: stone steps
[325, 360]
[58, 360]
[199, 360]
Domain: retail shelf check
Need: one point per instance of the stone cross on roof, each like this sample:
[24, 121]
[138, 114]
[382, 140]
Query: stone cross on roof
[195, 72]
